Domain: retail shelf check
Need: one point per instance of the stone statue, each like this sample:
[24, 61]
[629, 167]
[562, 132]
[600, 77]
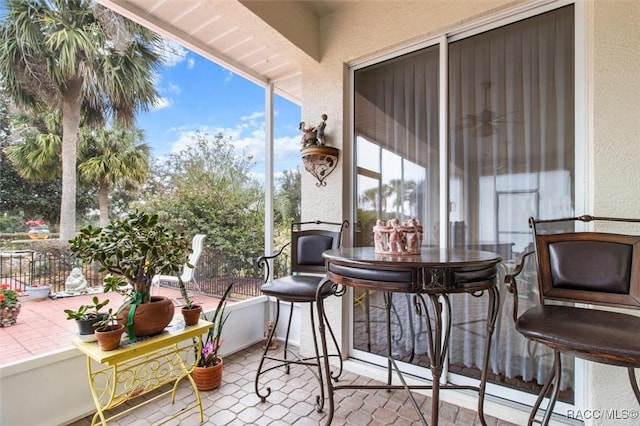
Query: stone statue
[76, 283]
[273, 344]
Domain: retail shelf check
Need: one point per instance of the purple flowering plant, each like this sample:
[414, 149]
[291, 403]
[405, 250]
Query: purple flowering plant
[208, 356]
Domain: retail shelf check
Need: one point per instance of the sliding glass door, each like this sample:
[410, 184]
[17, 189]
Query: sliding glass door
[511, 151]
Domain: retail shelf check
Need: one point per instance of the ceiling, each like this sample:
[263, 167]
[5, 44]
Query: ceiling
[264, 41]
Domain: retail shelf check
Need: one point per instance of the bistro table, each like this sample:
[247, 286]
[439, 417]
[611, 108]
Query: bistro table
[433, 274]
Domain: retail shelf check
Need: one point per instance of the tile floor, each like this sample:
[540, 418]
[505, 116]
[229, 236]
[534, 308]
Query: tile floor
[290, 403]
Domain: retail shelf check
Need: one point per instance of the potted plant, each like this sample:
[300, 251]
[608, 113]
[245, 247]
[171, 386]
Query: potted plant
[208, 371]
[109, 331]
[132, 251]
[38, 292]
[190, 311]
[38, 230]
[86, 317]
[9, 306]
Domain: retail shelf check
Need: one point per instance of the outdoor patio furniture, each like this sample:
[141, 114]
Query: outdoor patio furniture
[188, 273]
[586, 268]
[307, 269]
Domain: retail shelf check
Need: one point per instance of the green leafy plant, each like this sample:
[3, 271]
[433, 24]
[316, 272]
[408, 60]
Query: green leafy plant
[211, 346]
[8, 296]
[110, 320]
[87, 312]
[132, 251]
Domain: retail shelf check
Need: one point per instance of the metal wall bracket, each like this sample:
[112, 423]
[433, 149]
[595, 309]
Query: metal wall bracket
[320, 161]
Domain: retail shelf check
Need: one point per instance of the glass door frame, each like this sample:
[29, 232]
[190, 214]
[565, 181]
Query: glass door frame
[582, 180]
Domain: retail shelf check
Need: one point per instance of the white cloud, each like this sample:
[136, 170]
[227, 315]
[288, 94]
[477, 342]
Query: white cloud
[162, 103]
[173, 88]
[247, 137]
[191, 62]
[172, 53]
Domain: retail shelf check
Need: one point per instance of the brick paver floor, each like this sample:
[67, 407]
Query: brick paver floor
[291, 402]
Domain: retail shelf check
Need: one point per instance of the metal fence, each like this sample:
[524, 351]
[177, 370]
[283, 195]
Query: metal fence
[214, 272]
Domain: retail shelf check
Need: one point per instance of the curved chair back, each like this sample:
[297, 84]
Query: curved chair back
[588, 267]
[308, 245]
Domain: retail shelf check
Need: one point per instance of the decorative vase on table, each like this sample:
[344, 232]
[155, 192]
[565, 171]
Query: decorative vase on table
[40, 292]
[207, 378]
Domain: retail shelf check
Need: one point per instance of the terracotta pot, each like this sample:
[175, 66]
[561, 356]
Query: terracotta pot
[191, 315]
[109, 336]
[208, 378]
[87, 328]
[149, 318]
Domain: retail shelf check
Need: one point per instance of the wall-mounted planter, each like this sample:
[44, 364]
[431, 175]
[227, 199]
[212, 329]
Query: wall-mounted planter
[320, 161]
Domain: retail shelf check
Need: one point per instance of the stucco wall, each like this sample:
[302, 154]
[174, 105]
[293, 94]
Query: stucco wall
[612, 129]
[615, 89]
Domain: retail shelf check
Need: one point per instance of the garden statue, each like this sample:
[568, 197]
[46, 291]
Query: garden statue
[76, 283]
[273, 343]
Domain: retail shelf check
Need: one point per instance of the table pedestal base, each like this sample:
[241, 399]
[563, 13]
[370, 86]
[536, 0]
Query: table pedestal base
[438, 343]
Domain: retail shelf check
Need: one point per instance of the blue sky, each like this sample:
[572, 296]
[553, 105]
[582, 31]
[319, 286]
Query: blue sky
[197, 94]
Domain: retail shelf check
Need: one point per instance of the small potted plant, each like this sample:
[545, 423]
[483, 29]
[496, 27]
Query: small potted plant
[109, 332]
[9, 306]
[38, 292]
[86, 317]
[132, 251]
[208, 372]
[190, 311]
[38, 230]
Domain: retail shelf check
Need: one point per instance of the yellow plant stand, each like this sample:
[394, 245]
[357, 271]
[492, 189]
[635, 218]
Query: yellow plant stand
[137, 368]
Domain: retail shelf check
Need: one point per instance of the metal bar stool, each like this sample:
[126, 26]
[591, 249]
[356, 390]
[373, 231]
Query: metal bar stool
[307, 246]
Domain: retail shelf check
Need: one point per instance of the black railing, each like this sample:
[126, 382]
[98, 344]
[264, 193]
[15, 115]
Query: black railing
[214, 272]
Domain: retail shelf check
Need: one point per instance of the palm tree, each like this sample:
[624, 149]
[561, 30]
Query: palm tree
[83, 59]
[35, 152]
[115, 157]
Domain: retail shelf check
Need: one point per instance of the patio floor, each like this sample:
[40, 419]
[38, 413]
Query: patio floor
[43, 327]
[290, 403]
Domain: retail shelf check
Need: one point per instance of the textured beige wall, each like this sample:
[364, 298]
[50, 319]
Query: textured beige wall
[612, 127]
[615, 117]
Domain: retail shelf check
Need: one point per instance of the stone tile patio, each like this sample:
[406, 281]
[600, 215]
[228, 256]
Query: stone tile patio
[290, 403]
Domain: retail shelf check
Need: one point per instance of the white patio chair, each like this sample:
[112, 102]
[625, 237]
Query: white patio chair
[188, 274]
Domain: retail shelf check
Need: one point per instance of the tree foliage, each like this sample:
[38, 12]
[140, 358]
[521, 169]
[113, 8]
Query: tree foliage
[287, 198]
[207, 188]
[83, 59]
[20, 196]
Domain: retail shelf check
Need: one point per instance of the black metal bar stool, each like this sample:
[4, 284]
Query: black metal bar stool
[307, 246]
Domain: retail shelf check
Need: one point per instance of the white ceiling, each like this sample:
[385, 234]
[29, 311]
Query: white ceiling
[265, 41]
